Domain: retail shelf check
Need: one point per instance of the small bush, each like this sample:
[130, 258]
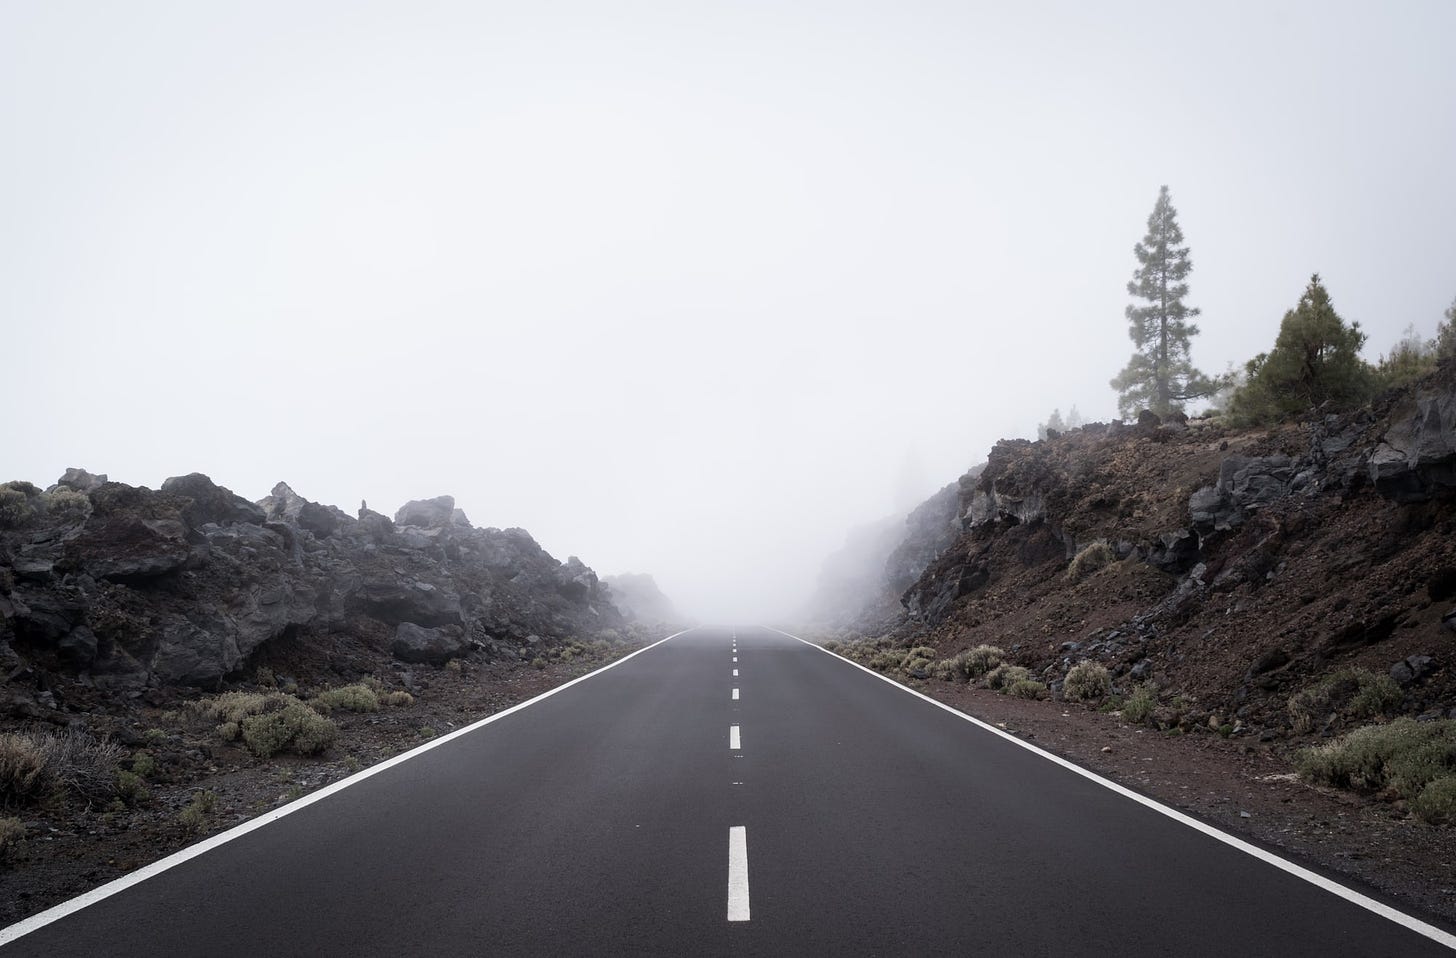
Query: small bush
[32, 763]
[1436, 803]
[1087, 682]
[398, 699]
[1027, 689]
[68, 504]
[295, 726]
[265, 677]
[1360, 692]
[1089, 560]
[1140, 704]
[154, 737]
[427, 732]
[1405, 755]
[12, 833]
[231, 706]
[143, 764]
[15, 507]
[229, 731]
[1005, 675]
[352, 698]
[23, 772]
[130, 788]
[194, 815]
[981, 659]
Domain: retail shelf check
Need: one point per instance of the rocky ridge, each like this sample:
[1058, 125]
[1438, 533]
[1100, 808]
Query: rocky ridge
[110, 589]
[1246, 565]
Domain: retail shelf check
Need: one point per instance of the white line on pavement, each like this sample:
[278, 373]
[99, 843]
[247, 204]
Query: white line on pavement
[738, 873]
[65, 908]
[735, 695]
[735, 673]
[733, 741]
[1298, 871]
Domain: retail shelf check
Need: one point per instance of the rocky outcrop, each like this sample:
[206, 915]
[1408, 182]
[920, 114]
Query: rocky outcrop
[131, 587]
[637, 596]
[1415, 460]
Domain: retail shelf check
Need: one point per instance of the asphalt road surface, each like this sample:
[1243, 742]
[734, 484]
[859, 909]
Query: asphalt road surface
[651, 810]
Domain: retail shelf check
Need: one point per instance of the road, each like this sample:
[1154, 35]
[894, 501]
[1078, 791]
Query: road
[647, 810]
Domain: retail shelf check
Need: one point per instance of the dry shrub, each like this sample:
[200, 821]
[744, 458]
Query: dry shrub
[1089, 560]
[1087, 682]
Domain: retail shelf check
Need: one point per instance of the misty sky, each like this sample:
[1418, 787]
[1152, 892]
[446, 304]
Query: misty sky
[681, 288]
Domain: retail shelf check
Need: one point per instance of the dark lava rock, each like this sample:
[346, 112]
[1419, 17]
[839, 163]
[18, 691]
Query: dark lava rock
[413, 643]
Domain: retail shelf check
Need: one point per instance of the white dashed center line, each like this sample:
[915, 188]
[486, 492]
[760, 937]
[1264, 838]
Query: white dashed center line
[733, 741]
[735, 673]
[735, 695]
[738, 873]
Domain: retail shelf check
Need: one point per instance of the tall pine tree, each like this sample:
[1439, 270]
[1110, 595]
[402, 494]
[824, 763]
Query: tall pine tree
[1160, 376]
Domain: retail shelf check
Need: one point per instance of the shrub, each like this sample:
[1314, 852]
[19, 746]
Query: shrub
[1087, 682]
[15, 507]
[1089, 560]
[143, 764]
[12, 833]
[1027, 689]
[1006, 675]
[352, 698]
[1405, 755]
[1437, 801]
[194, 815]
[32, 763]
[398, 699]
[1363, 693]
[295, 726]
[22, 767]
[229, 731]
[232, 706]
[130, 788]
[1140, 704]
[68, 504]
[980, 660]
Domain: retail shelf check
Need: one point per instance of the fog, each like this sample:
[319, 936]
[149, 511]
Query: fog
[681, 289]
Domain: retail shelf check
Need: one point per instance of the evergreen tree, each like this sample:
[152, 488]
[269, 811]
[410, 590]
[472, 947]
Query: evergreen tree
[1160, 376]
[1445, 341]
[1315, 359]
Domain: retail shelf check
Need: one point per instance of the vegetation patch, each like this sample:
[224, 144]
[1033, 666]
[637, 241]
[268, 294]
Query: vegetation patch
[12, 833]
[1006, 675]
[294, 727]
[34, 763]
[1087, 682]
[350, 698]
[1405, 756]
[1358, 693]
[195, 813]
[1027, 689]
[1089, 560]
[1140, 704]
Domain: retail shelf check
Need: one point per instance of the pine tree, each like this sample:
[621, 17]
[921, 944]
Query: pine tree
[1315, 359]
[1160, 376]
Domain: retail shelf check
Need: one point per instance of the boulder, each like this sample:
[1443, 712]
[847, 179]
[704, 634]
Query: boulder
[414, 643]
[436, 513]
[1416, 459]
[211, 502]
[79, 480]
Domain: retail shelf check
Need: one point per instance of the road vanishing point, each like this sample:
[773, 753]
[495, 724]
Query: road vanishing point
[726, 792]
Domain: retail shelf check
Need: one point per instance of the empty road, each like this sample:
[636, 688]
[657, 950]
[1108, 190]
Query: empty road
[725, 793]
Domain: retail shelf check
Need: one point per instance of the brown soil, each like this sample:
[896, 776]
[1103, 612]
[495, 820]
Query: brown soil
[72, 846]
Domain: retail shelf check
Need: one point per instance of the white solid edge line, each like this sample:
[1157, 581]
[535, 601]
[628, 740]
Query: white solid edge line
[733, 740]
[57, 912]
[1298, 871]
[738, 873]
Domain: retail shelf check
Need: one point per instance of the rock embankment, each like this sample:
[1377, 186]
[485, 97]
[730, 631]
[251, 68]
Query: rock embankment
[124, 588]
[1234, 569]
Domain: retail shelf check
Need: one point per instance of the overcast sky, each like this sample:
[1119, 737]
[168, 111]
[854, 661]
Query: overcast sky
[687, 289]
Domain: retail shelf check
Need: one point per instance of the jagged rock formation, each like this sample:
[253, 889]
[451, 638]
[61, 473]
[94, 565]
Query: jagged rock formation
[637, 596]
[129, 587]
[1251, 562]
[861, 584]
